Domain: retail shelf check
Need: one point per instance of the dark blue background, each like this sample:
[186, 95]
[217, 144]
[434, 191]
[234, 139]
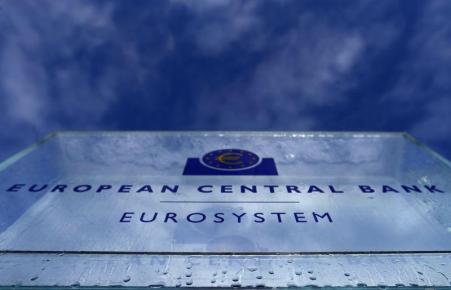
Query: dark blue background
[225, 65]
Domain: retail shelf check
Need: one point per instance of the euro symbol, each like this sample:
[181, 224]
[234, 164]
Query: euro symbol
[230, 158]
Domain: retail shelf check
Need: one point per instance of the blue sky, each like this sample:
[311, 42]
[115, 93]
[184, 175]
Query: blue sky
[225, 65]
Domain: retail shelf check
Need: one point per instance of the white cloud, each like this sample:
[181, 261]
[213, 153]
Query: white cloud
[309, 69]
[424, 84]
[35, 92]
[309, 66]
[24, 87]
[219, 23]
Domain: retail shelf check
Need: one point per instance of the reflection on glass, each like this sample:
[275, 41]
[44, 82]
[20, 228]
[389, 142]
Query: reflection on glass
[208, 193]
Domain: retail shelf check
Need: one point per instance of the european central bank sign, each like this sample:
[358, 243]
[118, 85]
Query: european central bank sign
[225, 193]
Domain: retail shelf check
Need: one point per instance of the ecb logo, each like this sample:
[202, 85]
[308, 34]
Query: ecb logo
[230, 162]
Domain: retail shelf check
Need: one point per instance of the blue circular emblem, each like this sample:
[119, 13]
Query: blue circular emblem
[230, 159]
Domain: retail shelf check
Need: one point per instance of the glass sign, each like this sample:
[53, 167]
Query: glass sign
[226, 192]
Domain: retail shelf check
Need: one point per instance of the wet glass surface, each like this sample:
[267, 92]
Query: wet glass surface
[135, 194]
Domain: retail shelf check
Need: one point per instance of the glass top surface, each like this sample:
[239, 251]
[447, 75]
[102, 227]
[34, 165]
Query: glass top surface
[225, 192]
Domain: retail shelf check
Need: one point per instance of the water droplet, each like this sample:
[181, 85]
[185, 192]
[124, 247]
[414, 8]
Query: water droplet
[188, 274]
[189, 282]
[313, 278]
[235, 279]
[289, 156]
[347, 274]
[424, 180]
[310, 272]
[213, 281]
[420, 273]
[271, 272]
[178, 284]
[34, 278]
[298, 273]
[252, 269]
[236, 284]
[127, 279]
[159, 284]
[259, 277]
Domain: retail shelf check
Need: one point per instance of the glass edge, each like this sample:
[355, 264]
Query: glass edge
[227, 254]
[14, 158]
[19, 155]
[230, 132]
[427, 149]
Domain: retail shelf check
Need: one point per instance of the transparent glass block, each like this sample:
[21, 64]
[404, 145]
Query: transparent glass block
[225, 209]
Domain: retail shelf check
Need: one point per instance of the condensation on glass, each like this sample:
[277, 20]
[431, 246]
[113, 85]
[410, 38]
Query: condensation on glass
[225, 209]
